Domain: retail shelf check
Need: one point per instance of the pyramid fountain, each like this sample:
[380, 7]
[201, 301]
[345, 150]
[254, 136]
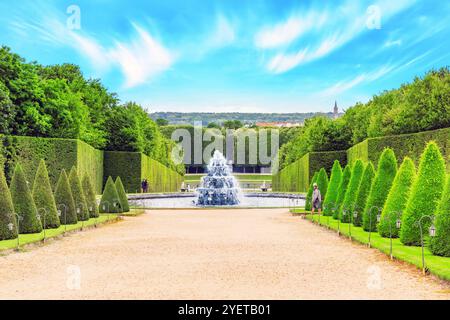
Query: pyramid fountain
[218, 187]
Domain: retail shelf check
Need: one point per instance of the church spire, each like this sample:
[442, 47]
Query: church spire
[336, 110]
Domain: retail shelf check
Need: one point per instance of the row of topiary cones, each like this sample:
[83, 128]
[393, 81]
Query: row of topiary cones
[25, 210]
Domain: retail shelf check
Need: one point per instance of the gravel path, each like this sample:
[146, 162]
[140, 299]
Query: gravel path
[217, 254]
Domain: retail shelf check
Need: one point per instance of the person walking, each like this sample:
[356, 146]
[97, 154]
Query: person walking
[316, 199]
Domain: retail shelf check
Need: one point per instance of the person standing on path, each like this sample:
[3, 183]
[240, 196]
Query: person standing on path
[316, 199]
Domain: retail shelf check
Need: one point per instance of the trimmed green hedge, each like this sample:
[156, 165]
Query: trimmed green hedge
[110, 201]
[78, 195]
[333, 189]
[122, 195]
[64, 200]
[363, 193]
[346, 176]
[440, 244]
[411, 145]
[7, 215]
[349, 199]
[91, 199]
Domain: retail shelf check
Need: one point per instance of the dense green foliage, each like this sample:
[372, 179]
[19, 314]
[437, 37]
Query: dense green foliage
[81, 206]
[440, 244]
[322, 182]
[122, 195]
[44, 199]
[353, 186]
[397, 198]
[64, 200]
[346, 176]
[363, 193]
[421, 105]
[24, 204]
[308, 204]
[90, 197]
[7, 215]
[333, 188]
[425, 195]
[110, 202]
[382, 183]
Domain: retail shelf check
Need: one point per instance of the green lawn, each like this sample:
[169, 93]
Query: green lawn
[50, 233]
[439, 266]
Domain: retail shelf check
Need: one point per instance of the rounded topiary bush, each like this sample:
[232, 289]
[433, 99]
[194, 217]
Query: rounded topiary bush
[425, 195]
[397, 198]
[382, 183]
[333, 187]
[363, 193]
[23, 203]
[322, 182]
[7, 215]
[110, 202]
[122, 195]
[346, 175]
[350, 195]
[64, 200]
[78, 196]
[89, 194]
[44, 199]
[310, 192]
[440, 244]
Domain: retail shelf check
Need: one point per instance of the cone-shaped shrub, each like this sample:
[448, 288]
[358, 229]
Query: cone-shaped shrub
[382, 183]
[64, 200]
[322, 182]
[310, 191]
[346, 175]
[24, 204]
[440, 244]
[78, 196]
[363, 193]
[89, 194]
[110, 202]
[44, 199]
[122, 195]
[397, 198]
[352, 190]
[425, 195]
[7, 216]
[333, 187]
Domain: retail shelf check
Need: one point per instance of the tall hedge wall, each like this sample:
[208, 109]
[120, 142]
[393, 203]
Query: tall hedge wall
[90, 162]
[296, 177]
[411, 145]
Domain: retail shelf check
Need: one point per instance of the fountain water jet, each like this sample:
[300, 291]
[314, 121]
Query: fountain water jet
[219, 187]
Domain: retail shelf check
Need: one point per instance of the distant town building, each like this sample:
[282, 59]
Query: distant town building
[279, 124]
[336, 110]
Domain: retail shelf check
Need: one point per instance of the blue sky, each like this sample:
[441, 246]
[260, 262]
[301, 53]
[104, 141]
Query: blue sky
[229, 55]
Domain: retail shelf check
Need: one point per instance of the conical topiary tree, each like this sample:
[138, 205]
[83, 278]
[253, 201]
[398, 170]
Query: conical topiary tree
[440, 244]
[363, 193]
[64, 200]
[322, 182]
[78, 196]
[110, 202]
[382, 183]
[44, 199]
[397, 199]
[310, 191]
[89, 194]
[23, 203]
[333, 186]
[346, 175]
[123, 198]
[8, 225]
[349, 199]
[425, 195]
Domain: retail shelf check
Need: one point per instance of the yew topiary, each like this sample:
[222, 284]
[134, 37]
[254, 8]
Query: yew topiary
[333, 188]
[78, 196]
[350, 195]
[363, 193]
[44, 199]
[322, 182]
[110, 202]
[346, 175]
[89, 194]
[8, 225]
[382, 183]
[122, 195]
[397, 198]
[24, 204]
[64, 200]
[425, 195]
[310, 192]
[440, 244]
